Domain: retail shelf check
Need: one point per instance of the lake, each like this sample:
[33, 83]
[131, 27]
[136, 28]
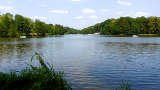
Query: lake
[90, 61]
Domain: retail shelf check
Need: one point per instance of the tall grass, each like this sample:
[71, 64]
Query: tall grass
[43, 77]
[124, 86]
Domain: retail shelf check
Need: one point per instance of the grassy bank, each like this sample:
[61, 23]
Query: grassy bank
[121, 35]
[35, 78]
[148, 35]
[139, 35]
[43, 77]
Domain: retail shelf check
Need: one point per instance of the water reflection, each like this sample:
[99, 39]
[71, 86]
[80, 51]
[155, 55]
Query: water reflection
[127, 48]
[90, 61]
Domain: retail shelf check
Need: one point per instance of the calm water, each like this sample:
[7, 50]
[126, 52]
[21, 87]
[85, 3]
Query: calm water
[93, 61]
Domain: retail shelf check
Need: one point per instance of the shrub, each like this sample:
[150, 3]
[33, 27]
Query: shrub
[43, 77]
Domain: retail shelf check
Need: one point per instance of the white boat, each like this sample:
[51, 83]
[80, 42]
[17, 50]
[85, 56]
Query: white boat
[22, 36]
[96, 33]
[134, 36]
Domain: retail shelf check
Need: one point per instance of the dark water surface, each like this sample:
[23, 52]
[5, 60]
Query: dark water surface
[91, 61]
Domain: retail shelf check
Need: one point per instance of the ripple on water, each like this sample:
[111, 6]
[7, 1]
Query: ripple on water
[94, 62]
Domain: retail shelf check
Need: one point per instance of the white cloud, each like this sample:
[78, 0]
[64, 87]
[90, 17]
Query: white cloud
[104, 10]
[76, 0]
[79, 17]
[140, 13]
[88, 11]
[124, 3]
[6, 8]
[39, 17]
[93, 17]
[59, 11]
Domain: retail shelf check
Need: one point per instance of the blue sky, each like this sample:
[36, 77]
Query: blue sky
[80, 13]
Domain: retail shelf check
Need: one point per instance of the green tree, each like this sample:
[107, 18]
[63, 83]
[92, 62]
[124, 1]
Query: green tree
[23, 25]
[40, 27]
[5, 22]
[153, 25]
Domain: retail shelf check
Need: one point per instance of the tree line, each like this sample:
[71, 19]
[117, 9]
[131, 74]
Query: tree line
[126, 26]
[18, 25]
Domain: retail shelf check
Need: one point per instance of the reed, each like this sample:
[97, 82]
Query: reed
[124, 86]
[43, 77]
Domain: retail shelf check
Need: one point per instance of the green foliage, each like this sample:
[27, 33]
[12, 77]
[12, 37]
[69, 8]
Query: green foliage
[148, 35]
[124, 86]
[22, 26]
[13, 31]
[43, 77]
[61, 30]
[5, 23]
[71, 30]
[57, 30]
[40, 28]
[127, 26]
[92, 29]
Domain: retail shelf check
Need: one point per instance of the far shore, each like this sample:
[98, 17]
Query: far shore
[138, 35]
[34, 35]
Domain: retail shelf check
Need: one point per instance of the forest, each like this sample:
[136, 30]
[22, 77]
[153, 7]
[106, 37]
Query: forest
[18, 25]
[126, 26]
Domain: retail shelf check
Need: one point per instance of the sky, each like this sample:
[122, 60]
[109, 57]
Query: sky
[80, 13]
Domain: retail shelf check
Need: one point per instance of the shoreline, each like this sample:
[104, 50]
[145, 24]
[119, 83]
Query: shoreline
[121, 35]
[138, 35]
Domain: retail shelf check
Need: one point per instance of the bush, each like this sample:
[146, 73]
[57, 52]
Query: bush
[43, 77]
[124, 86]
[148, 35]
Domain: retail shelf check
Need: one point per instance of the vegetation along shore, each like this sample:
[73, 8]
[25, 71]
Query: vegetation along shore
[43, 77]
[127, 26]
[16, 26]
